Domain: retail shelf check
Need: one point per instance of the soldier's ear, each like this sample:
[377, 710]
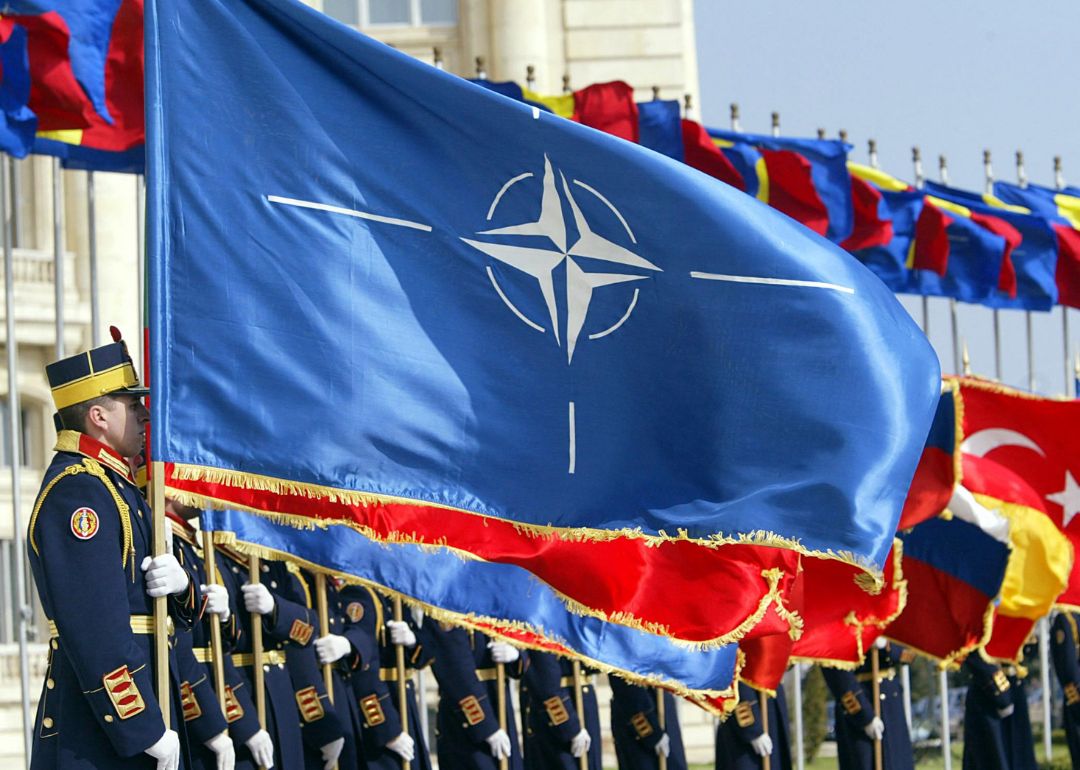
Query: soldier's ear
[97, 416]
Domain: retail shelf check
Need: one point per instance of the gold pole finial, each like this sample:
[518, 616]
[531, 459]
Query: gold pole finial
[734, 110]
[915, 154]
[776, 124]
[688, 102]
[843, 135]
[436, 55]
[481, 74]
[1057, 163]
[566, 84]
[872, 144]
[656, 93]
[967, 360]
[986, 156]
[821, 133]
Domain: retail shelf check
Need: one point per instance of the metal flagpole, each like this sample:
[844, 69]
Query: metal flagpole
[800, 759]
[988, 174]
[216, 659]
[161, 606]
[661, 719]
[763, 704]
[875, 672]
[946, 738]
[140, 251]
[943, 170]
[920, 180]
[1059, 183]
[579, 704]
[58, 253]
[91, 217]
[15, 460]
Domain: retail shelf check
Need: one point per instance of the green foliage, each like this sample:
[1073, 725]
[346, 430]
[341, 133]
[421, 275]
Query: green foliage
[815, 717]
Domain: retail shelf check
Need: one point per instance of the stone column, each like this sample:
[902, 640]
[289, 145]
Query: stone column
[519, 38]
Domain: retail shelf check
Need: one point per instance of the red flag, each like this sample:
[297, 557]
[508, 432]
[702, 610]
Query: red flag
[1068, 265]
[608, 107]
[931, 246]
[870, 229]
[701, 153]
[792, 191]
[55, 95]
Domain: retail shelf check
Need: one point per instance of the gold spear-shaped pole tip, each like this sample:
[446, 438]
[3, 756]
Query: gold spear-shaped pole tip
[1019, 157]
[734, 111]
[967, 360]
[915, 154]
[821, 133]
[566, 84]
[986, 156]
[843, 135]
[656, 93]
[776, 120]
[872, 144]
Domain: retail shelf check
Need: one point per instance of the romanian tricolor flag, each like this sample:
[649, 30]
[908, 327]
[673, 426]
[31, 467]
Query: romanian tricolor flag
[885, 205]
[939, 470]
[84, 64]
[503, 335]
[1062, 209]
[807, 179]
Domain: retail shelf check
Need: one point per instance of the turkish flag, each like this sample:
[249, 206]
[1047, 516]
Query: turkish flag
[1034, 437]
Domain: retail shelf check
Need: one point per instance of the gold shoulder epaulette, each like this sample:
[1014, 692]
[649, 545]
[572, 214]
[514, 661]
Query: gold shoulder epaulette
[93, 467]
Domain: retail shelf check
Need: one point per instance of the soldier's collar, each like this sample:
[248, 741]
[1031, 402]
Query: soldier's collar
[80, 443]
[182, 528]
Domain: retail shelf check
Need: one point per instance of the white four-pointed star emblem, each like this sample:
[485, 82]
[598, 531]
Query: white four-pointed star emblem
[1068, 499]
[540, 262]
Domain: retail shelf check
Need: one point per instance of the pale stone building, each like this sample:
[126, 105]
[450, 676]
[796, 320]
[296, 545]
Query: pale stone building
[647, 43]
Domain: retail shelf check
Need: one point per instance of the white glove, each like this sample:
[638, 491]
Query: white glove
[262, 749]
[331, 752]
[217, 601]
[881, 642]
[663, 746]
[499, 742]
[166, 751]
[329, 649]
[222, 746]
[1006, 712]
[762, 745]
[257, 598]
[875, 729]
[501, 652]
[164, 576]
[403, 746]
[400, 633]
[580, 744]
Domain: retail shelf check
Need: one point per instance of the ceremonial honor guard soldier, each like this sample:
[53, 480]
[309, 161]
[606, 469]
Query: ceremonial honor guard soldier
[741, 740]
[89, 539]
[556, 735]
[464, 664]
[375, 675]
[857, 726]
[992, 739]
[640, 740]
[1065, 646]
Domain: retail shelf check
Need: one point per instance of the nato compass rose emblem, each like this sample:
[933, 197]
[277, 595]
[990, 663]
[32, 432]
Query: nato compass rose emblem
[539, 259]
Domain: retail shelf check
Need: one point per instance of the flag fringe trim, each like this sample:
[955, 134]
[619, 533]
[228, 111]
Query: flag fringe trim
[485, 625]
[1005, 390]
[771, 597]
[241, 480]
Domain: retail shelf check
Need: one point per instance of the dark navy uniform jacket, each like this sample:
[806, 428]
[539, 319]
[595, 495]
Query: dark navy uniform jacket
[733, 736]
[1065, 646]
[374, 679]
[88, 535]
[290, 625]
[549, 714]
[635, 726]
[854, 691]
[991, 742]
[468, 697]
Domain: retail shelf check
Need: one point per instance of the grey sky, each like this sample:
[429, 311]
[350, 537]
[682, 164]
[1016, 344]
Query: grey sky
[954, 78]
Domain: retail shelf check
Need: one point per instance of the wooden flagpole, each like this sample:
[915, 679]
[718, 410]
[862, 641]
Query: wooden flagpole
[217, 661]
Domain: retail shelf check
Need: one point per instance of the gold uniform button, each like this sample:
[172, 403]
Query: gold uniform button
[55, 646]
[108, 717]
[50, 683]
[48, 723]
[273, 584]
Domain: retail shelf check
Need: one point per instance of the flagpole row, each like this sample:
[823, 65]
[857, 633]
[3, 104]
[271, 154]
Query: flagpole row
[13, 419]
[161, 603]
[875, 673]
[403, 693]
[216, 658]
[661, 719]
[763, 704]
[500, 704]
[579, 704]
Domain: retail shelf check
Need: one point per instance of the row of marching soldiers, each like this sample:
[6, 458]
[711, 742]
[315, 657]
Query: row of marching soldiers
[299, 682]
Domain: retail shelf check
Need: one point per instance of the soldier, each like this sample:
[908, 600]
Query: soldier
[741, 740]
[201, 707]
[372, 640]
[468, 722]
[1065, 645]
[993, 740]
[635, 726]
[90, 540]
[857, 727]
[556, 735]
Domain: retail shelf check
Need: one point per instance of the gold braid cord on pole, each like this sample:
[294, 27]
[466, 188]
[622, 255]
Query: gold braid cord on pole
[402, 692]
[217, 661]
[161, 603]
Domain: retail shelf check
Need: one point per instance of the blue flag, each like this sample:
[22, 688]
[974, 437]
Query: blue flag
[459, 320]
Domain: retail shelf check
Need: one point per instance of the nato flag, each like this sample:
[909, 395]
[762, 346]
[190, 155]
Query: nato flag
[369, 276]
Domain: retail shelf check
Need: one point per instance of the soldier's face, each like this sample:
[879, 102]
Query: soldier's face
[125, 425]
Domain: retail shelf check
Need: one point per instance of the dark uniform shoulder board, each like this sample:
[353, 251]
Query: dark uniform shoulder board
[355, 611]
[471, 708]
[641, 725]
[851, 702]
[233, 709]
[188, 702]
[124, 693]
[311, 708]
[1071, 695]
[301, 632]
[556, 710]
[84, 523]
[1060, 636]
[744, 714]
[1001, 681]
[373, 713]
